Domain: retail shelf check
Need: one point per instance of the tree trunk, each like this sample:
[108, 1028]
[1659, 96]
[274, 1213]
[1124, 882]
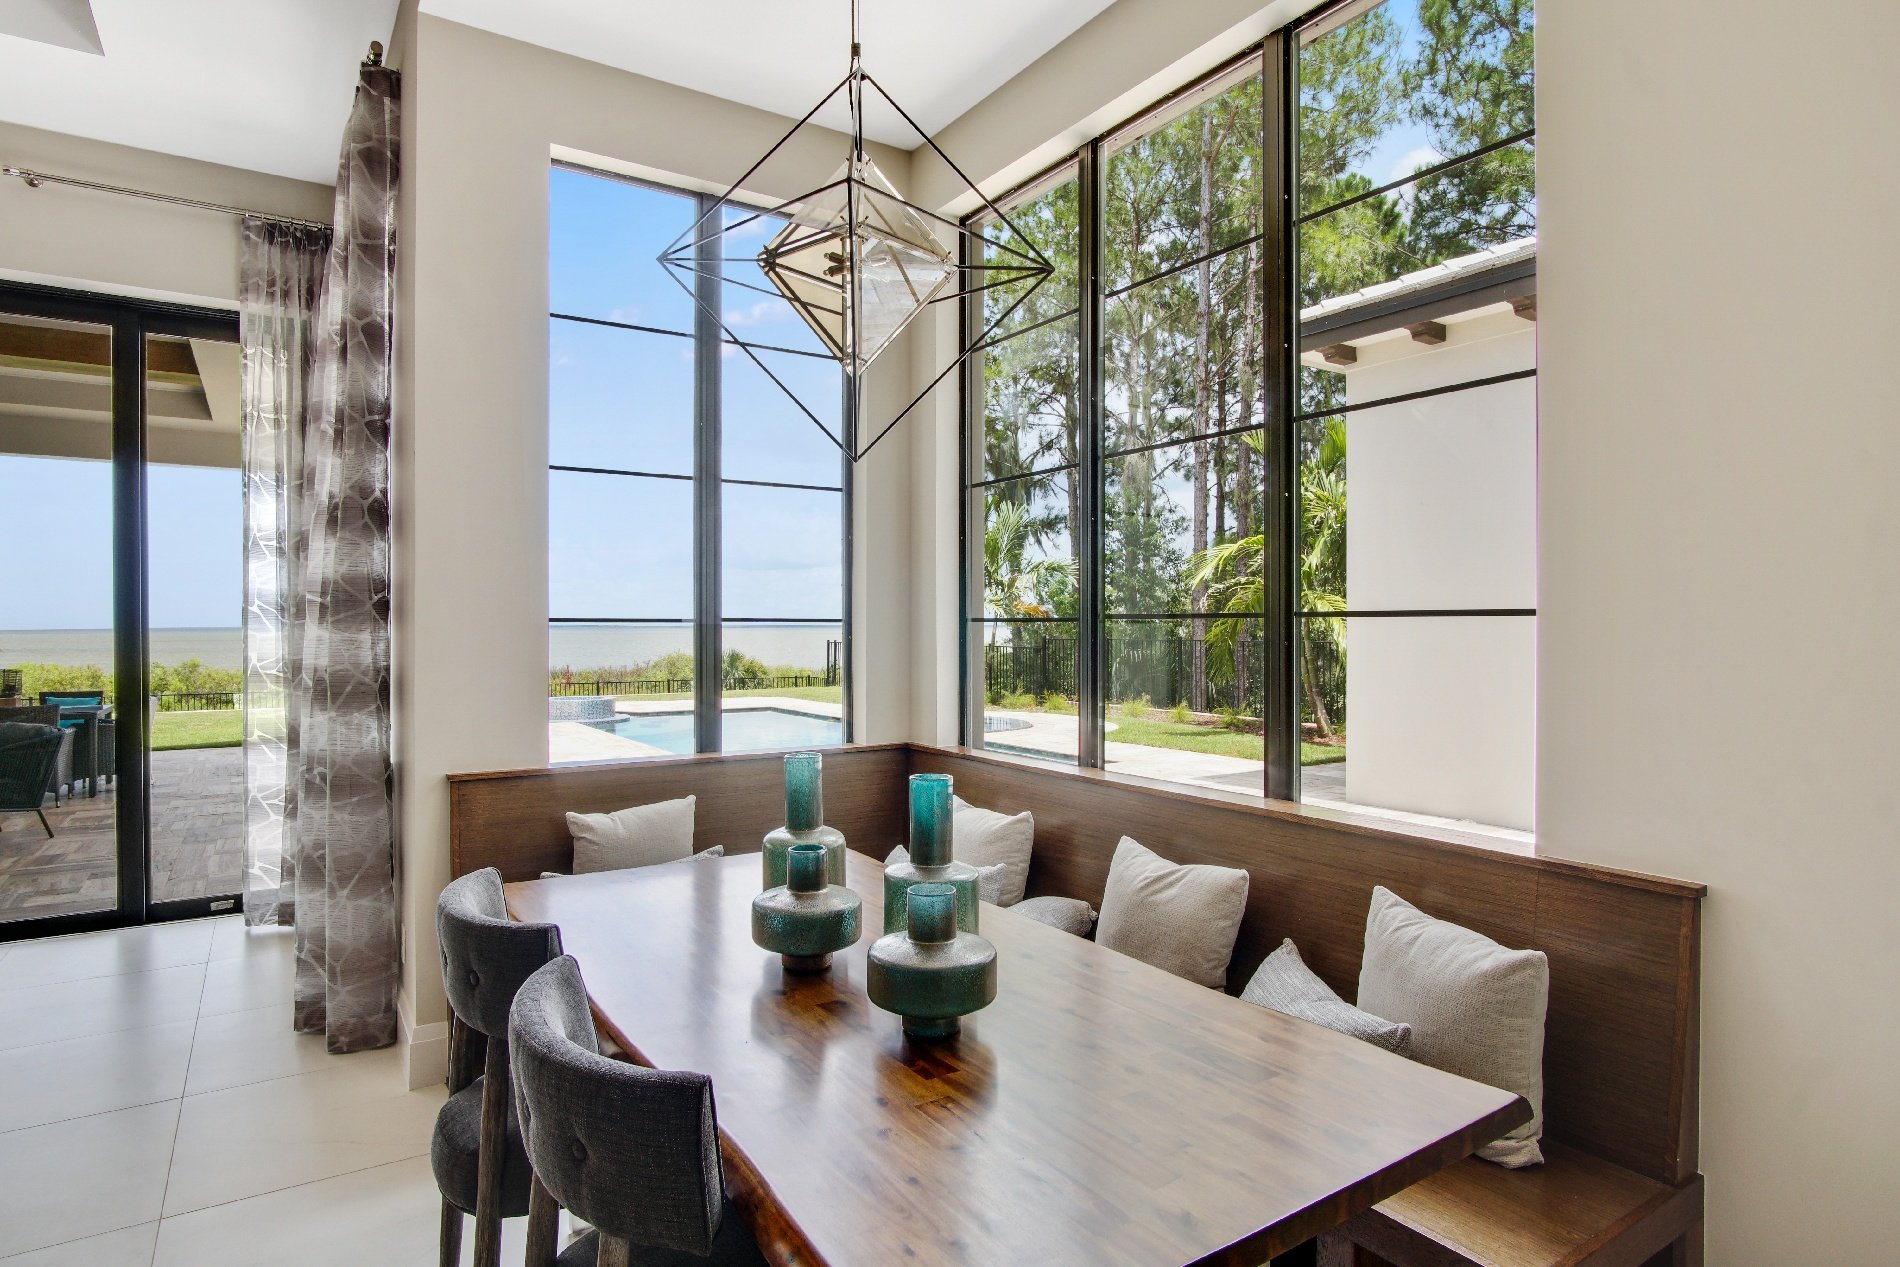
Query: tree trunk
[1203, 382]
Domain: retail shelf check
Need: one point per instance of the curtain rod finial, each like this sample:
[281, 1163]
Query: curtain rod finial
[375, 57]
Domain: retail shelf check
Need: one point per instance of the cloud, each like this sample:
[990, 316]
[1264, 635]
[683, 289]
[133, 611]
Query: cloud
[1412, 160]
[764, 312]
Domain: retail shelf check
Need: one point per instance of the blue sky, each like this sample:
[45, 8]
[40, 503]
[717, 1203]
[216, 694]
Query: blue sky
[56, 569]
[623, 400]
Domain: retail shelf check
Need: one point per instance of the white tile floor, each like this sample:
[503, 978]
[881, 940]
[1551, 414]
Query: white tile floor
[156, 1108]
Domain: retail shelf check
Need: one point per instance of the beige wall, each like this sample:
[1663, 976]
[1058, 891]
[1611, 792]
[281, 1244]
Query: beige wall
[481, 115]
[60, 236]
[1720, 564]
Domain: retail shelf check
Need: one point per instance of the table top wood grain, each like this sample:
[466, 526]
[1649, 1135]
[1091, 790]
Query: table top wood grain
[1099, 1112]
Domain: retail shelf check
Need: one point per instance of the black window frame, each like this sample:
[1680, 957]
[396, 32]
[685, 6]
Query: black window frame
[131, 322]
[708, 621]
[1281, 421]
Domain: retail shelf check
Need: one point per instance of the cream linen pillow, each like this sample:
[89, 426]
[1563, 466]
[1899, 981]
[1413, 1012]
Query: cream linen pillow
[1476, 1008]
[635, 837]
[985, 838]
[1181, 918]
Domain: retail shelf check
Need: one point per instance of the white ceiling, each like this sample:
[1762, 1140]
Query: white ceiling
[936, 57]
[258, 84]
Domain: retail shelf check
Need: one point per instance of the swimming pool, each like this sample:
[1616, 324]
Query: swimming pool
[745, 729]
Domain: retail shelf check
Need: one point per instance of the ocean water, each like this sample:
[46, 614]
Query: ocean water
[215, 648]
[577, 647]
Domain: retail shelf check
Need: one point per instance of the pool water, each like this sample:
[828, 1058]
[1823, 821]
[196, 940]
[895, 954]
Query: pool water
[750, 729]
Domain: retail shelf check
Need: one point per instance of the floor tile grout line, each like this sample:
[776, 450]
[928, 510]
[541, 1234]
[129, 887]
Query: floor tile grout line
[104, 1033]
[171, 1156]
[289, 1187]
[81, 1117]
[41, 1249]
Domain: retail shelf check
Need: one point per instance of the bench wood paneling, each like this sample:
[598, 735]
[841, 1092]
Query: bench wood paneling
[515, 820]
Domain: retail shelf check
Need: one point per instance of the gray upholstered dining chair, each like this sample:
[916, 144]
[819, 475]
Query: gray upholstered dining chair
[480, 1166]
[631, 1150]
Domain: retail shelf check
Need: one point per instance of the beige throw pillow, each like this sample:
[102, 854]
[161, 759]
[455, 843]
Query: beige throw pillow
[637, 837]
[1476, 1008]
[1181, 918]
[989, 880]
[985, 838]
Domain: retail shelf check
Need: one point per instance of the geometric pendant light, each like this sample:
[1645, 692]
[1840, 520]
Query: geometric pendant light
[855, 259]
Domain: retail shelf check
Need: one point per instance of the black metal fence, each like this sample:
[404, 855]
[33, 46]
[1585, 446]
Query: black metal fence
[1160, 666]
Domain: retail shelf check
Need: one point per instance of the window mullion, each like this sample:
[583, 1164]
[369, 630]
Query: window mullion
[1279, 158]
[708, 639]
[1091, 648]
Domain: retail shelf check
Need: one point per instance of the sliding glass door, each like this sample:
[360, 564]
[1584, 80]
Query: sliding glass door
[120, 583]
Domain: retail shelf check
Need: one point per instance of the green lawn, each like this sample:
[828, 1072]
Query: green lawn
[1158, 730]
[222, 729]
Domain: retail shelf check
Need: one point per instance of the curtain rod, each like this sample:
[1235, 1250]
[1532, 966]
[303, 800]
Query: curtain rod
[35, 179]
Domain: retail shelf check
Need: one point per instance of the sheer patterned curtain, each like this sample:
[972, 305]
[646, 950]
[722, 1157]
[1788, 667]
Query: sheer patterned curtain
[279, 269]
[321, 852]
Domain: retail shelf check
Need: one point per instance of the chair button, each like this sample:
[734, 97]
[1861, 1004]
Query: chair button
[474, 978]
[579, 1150]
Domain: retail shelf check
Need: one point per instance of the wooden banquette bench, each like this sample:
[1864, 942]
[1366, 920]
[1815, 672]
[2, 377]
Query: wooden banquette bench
[1619, 1187]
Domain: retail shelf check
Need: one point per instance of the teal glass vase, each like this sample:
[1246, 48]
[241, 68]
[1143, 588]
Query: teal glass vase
[804, 821]
[806, 920]
[932, 808]
[931, 973]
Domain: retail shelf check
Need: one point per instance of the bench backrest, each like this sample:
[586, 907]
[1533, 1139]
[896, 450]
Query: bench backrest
[515, 820]
[1621, 1037]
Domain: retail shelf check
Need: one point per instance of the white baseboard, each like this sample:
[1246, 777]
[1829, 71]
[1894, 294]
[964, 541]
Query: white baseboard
[425, 1050]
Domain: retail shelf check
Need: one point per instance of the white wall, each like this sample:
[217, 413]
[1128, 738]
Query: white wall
[1720, 690]
[60, 236]
[1442, 508]
[481, 116]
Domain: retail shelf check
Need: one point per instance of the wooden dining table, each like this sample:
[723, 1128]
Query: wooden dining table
[1100, 1111]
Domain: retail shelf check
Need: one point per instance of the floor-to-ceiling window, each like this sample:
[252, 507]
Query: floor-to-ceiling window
[697, 505]
[1325, 248]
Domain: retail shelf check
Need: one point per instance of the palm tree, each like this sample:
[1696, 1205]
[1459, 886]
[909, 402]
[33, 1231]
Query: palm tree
[1015, 586]
[1236, 583]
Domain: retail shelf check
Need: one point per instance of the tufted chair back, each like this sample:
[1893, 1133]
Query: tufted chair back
[631, 1150]
[485, 955]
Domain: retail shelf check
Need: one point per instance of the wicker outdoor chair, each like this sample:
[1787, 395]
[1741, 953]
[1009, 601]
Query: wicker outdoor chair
[29, 755]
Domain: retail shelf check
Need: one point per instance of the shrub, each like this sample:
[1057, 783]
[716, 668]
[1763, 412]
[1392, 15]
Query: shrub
[1180, 714]
[1057, 702]
[1019, 700]
[1137, 708]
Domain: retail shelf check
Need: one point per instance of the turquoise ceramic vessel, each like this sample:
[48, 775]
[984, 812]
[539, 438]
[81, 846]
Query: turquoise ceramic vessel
[804, 821]
[931, 974]
[931, 811]
[806, 920]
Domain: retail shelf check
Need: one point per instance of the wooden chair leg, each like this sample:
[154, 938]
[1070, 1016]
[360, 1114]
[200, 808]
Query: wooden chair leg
[613, 1251]
[451, 1235]
[48, 826]
[494, 1154]
[544, 1226]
